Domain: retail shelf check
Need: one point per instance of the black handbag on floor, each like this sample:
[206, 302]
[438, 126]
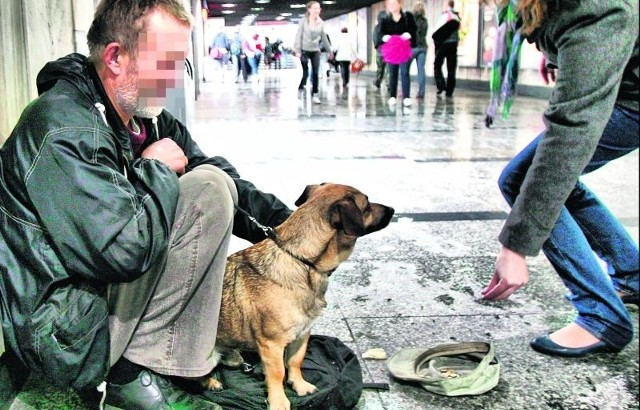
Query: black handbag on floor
[329, 364]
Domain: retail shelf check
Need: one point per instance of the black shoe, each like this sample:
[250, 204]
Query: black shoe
[376, 84]
[150, 391]
[439, 92]
[449, 94]
[629, 298]
[544, 344]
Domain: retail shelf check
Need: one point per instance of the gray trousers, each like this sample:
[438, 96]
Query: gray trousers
[167, 319]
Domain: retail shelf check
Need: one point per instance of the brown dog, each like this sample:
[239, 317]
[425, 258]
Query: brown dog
[274, 290]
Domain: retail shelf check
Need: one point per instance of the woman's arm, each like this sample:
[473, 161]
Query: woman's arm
[593, 45]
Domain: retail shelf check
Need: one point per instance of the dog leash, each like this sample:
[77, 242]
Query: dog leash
[269, 232]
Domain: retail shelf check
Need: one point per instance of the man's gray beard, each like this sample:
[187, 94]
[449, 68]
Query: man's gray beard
[148, 112]
[127, 97]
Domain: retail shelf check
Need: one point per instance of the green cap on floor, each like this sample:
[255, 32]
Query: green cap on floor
[451, 369]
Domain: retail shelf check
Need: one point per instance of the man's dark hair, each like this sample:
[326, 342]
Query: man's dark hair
[122, 21]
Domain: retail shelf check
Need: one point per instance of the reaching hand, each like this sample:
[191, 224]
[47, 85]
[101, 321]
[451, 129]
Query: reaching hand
[385, 38]
[167, 152]
[548, 74]
[406, 36]
[510, 275]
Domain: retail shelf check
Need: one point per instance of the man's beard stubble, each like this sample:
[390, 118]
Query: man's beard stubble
[127, 96]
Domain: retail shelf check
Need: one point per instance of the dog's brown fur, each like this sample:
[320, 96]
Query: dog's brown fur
[274, 290]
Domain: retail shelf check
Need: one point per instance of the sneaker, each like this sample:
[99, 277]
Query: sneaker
[406, 102]
[392, 101]
[152, 391]
[315, 99]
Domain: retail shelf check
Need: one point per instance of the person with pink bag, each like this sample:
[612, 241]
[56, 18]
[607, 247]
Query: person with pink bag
[398, 31]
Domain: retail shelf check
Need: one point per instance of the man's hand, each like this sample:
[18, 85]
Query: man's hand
[167, 152]
[510, 275]
[548, 74]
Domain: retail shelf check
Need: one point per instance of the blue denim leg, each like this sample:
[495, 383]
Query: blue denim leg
[585, 229]
[419, 54]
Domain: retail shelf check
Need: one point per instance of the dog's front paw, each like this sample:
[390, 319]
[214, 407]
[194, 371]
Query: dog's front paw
[303, 387]
[211, 383]
[278, 402]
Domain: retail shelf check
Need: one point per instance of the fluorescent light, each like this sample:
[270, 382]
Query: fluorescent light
[280, 18]
[285, 14]
[329, 2]
[263, 1]
[228, 5]
[228, 11]
[298, 6]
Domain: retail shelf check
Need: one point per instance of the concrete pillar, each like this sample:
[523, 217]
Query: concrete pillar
[31, 34]
[14, 90]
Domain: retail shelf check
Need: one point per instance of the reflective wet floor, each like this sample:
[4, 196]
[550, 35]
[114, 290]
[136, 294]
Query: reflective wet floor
[416, 283]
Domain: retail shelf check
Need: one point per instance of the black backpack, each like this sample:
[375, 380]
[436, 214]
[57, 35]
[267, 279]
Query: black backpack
[329, 364]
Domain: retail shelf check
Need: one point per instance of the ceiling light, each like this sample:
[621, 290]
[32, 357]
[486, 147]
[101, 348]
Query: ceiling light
[228, 5]
[228, 11]
[285, 14]
[280, 18]
[263, 1]
[329, 2]
[298, 6]
[257, 8]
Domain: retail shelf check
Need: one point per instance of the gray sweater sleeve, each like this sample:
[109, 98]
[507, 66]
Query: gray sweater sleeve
[590, 45]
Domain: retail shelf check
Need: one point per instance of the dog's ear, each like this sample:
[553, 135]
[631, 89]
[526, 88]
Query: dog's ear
[346, 216]
[306, 194]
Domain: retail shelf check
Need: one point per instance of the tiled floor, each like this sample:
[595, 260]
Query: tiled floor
[417, 282]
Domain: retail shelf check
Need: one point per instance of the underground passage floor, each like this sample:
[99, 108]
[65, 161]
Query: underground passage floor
[416, 283]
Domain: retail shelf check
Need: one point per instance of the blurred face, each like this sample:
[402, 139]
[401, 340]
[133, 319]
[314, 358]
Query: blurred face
[314, 10]
[159, 66]
[393, 6]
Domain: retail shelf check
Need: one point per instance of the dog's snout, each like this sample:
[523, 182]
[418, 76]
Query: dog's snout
[388, 214]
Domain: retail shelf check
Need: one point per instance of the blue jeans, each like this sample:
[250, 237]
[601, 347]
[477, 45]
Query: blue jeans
[586, 228]
[404, 79]
[254, 63]
[419, 54]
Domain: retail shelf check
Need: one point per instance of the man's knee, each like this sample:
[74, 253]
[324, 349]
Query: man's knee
[211, 187]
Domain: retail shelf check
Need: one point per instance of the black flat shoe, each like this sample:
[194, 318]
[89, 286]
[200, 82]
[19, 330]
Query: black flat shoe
[629, 298]
[544, 344]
